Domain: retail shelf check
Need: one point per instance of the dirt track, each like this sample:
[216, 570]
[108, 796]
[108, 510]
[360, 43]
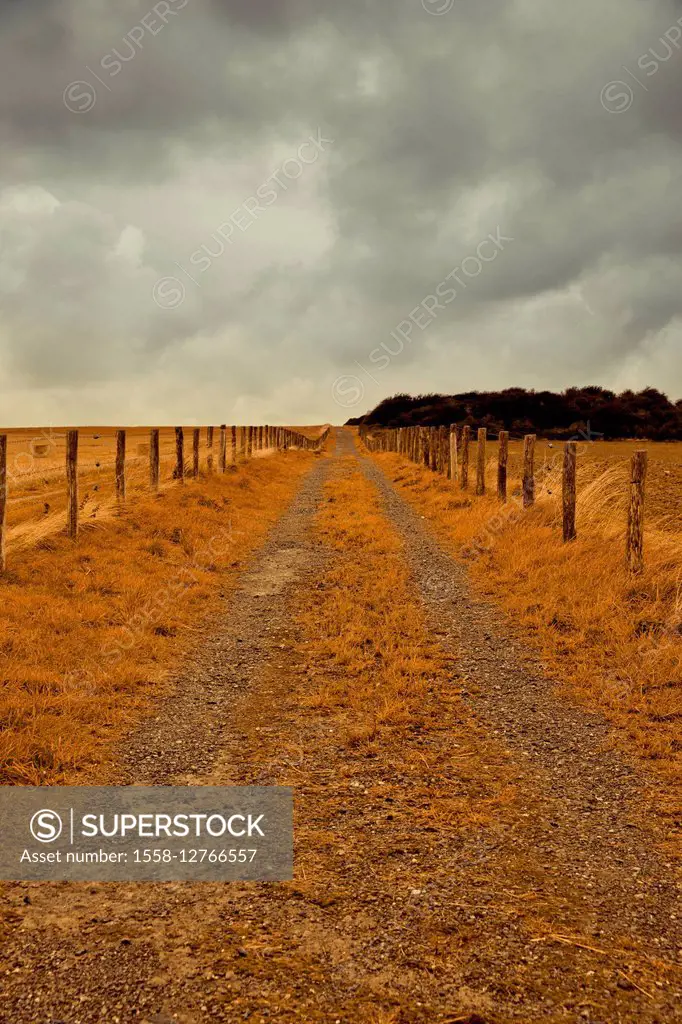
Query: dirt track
[556, 906]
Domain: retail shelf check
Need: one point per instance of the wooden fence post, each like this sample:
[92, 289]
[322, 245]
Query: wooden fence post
[180, 454]
[222, 457]
[195, 451]
[480, 461]
[433, 448]
[120, 465]
[154, 459]
[528, 470]
[209, 445]
[3, 502]
[443, 451]
[452, 463]
[464, 473]
[569, 491]
[72, 483]
[233, 444]
[502, 458]
[635, 535]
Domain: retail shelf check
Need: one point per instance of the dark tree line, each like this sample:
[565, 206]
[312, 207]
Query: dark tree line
[641, 414]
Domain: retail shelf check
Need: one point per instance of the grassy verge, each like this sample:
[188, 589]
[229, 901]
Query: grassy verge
[90, 631]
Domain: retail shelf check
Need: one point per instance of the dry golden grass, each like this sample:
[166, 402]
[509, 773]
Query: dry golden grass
[617, 639]
[378, 672]
[90, 630]
[36, 473]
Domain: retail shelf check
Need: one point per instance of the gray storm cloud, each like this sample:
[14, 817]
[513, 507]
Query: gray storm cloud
[173, 245]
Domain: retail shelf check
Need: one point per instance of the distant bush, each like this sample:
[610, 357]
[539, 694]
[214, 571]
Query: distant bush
[638, 414]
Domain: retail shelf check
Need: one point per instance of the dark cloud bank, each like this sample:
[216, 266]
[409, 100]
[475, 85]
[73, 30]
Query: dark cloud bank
[260, 210]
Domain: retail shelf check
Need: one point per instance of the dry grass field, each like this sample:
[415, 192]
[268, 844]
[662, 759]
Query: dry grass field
[614, 637]
[90, 631]
[469, 845]
[36, 474]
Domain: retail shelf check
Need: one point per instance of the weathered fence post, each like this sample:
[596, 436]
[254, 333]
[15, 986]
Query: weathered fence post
[3, 502]
[249, 442]
[635, 535]
[180, 454]
[452, 462]
[480, 461]
[154, 459]
[433, 448]
[233, 444]
[222, 456]
[502, 457]
[569, 491]
[464, 473]
[72, 483]
[528, 470]
[209, 445]
[426, 457]
[195, 451]
[120, 465]
[443, 451]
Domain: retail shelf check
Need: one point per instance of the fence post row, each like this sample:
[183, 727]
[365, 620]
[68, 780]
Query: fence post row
[253, 437]
[438, 448]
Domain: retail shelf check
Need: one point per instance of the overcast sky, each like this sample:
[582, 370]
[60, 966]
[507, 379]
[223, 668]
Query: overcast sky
[285, 210]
